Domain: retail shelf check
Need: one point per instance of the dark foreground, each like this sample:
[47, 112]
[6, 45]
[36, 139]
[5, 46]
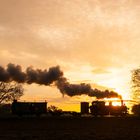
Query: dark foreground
[63, 128]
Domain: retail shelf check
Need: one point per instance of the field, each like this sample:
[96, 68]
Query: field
[68, 128]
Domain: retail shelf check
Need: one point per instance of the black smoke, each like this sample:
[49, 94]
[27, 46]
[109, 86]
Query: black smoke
[78, 89]
[15, 73]
[43, 77]
[51, 76]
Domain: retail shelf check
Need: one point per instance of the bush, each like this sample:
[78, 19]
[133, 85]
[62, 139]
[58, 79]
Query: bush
[55, 111]
[5, 109]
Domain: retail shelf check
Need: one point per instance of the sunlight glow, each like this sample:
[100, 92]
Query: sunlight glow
[118, 81]
[115, 101]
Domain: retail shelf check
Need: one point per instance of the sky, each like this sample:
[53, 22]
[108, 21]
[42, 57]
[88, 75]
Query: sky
[93, 41]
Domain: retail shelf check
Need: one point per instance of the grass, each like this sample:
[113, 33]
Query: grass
[69, 128]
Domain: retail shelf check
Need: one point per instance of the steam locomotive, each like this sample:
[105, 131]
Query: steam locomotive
[99, 108]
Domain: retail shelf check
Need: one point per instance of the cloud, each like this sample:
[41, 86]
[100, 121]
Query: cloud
[100, 71]
[102, 34]
[64, 30]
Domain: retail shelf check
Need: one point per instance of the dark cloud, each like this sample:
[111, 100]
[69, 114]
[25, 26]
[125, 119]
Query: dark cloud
[51, 76]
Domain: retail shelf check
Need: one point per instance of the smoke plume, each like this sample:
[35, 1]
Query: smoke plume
[78, 89]
[51, 76]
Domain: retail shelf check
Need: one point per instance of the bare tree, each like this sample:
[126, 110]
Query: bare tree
[10, 92]
[136, 85]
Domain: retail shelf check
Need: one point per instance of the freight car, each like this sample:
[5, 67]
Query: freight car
[99, 108]
[29, 108]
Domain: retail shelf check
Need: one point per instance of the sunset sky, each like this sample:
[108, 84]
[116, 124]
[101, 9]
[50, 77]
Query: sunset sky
[93, 41]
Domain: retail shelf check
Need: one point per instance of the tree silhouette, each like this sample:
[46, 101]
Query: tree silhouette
[136, 84]
[54, 110]
[10, 92]
[136, 109]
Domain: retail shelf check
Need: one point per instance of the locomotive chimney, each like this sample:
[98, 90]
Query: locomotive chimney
[110, 103]
[122, 103]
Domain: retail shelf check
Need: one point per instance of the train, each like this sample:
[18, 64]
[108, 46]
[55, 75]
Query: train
[99, 108]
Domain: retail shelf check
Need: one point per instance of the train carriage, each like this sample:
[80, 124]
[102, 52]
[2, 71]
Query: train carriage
[29, 108]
